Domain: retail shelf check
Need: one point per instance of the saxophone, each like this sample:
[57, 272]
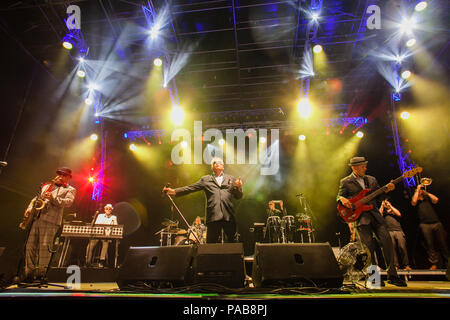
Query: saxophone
[39, 205]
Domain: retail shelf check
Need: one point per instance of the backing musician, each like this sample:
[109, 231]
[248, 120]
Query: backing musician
[56, 195]
[104, 218]
[273, 211]
[200, 230]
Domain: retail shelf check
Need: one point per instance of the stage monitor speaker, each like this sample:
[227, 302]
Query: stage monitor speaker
[157, 266]
[296, 265]
[220, 263]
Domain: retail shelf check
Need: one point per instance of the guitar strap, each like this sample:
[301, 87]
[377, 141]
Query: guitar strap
[366, 182]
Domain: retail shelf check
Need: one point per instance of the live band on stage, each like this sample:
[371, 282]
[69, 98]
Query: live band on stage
[356, 204]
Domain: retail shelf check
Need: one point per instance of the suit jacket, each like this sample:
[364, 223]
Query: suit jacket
[219, 199]
[349, 188]
[63, 197]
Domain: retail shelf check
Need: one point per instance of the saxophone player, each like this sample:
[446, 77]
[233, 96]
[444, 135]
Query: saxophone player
[56, 195]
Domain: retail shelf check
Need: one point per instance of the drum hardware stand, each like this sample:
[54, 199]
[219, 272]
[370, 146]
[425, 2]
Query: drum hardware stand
[190, 228]
[282, 231]
[165, 231]
[306, 210]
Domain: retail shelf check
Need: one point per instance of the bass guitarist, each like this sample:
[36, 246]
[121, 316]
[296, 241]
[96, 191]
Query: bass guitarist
[369, 221]
[44, 223]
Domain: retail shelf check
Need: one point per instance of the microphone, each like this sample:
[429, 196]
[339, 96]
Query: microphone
[3, 163]
[165, 192]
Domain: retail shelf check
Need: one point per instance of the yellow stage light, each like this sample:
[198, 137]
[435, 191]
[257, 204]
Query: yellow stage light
[421, 6]
[405, 115]
[177, 115]
[304, 108]
[157, 62]
[67, 45]
[406, 74]
[317, 48]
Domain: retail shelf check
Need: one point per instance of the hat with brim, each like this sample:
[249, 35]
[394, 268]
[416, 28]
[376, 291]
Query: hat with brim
[64, 171]
[357, 161]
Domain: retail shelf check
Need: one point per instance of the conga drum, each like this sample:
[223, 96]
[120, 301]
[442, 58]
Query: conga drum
[273, 229]
[288, 224]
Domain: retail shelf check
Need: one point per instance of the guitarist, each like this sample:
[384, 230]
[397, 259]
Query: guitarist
[58, 195]
[371, 221]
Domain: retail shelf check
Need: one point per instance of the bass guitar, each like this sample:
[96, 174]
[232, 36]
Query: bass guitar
[359, 202]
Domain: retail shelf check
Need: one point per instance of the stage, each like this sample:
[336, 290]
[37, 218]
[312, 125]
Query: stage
[425, 288]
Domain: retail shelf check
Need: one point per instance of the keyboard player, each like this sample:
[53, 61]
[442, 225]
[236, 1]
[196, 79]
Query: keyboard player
[106, 218]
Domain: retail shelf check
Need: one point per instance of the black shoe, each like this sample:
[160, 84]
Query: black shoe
[397, 281]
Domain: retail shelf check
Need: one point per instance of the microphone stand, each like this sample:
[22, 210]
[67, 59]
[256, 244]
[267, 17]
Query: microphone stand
[184, 219]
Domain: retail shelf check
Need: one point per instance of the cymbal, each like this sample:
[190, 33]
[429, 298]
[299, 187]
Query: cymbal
[181, 231]
[169, 223]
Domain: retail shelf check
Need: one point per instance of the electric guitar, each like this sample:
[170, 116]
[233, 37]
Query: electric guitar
[359, 202]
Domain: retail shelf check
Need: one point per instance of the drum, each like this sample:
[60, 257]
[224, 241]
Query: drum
[288, 224]
[185, 242]
[273, 229]
[179, 239]
[201, 235]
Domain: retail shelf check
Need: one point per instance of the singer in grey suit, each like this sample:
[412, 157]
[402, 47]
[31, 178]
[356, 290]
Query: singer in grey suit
[220, 189]
[43, 230]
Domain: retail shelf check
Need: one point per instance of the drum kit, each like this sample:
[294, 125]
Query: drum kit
[287, 228]
[171, 234]
[284, 229]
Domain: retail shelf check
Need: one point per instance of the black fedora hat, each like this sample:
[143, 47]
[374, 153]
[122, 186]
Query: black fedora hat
[64, 171]
[357, 161]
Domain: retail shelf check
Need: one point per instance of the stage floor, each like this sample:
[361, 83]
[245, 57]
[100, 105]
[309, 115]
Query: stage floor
[106, 299]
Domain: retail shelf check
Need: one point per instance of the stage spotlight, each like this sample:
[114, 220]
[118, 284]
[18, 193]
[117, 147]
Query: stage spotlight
[81, 59]
[406, 74]
[405, 115]
[91, 179]
[421, 6]
[157, 62]
[262, 140]
[315, 16]
[304, 108]
[88, 101]
[133, 147]
[399, 59]
[184, 144]
[177, 115]
[92, 86]
[411, 42]
[68, 45]
[407, 25]
[94, 137]
[221, 142]
[81, 74]
[360, 134]
[154, 32]
[317, 48]
[302, 137]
